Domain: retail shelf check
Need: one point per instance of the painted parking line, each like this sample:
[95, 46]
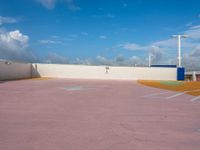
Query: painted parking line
[176, 95]
[156, 94]
[195, 98]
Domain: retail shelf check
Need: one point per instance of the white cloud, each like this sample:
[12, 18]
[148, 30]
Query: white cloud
[135, 61]
[5, 20]
[195, 27]
[189, 24]
[165, 51]
[192, 60]
[132, 46]
[56, 58]
[14, 46]
[194, 32]
[119, 60]
[157, 55]
[196, 52]
[47, 42]
[18, 36]
[50, 4]
[103, 37]
[83, 61]
[166, 44]
[13, 40]
[100, 60]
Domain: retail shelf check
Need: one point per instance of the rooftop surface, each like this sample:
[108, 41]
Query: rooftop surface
[63, 114]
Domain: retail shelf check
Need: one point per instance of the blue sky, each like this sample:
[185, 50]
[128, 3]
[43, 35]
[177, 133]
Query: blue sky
[115, 32]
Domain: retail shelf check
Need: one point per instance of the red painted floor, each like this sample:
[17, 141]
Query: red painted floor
[60, 114]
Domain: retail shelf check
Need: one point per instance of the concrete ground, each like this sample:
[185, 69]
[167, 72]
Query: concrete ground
[61, 114]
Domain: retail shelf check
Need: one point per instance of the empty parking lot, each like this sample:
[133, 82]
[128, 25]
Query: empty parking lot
[64, 114]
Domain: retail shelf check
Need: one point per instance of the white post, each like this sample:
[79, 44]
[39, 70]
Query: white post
[194, 78]
[179, 47]
[179, 50]
[149, 60]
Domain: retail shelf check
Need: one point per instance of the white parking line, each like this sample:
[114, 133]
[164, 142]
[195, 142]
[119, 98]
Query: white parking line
[176, 95]
[195, 98]
[155, 94]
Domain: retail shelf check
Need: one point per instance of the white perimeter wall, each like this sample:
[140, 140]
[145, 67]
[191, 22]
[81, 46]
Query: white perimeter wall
[14, 70]
[22, 70]
[98, 72]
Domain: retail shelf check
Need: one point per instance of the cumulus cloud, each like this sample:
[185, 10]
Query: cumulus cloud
[165, 51]
[136, 61]
[5, 20]
[191, 62]
[100, 60]
[14, 46]
[119, 60]
[13, 40]
[56, 58]
[50, 4]
[157, 55]
[80, 61]
[18, 36]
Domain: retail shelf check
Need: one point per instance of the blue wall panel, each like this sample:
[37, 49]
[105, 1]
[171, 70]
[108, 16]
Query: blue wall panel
[180, 74]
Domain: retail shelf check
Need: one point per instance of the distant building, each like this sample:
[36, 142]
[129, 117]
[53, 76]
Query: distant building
[192, 76]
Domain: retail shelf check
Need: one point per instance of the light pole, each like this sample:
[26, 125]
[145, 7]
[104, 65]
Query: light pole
[150, 55]
[179, 46]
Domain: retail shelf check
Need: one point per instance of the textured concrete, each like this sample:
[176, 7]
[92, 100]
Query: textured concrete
[94, 115]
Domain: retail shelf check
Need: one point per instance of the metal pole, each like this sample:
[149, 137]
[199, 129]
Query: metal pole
[179, 50]
[179, 47]
[149, 60]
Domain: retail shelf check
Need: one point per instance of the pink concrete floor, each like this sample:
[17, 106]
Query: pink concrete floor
[61, 114]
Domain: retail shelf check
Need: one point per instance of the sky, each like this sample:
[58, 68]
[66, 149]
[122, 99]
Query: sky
[100, 32]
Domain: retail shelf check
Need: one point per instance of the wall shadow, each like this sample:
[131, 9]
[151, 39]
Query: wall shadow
[34, 71]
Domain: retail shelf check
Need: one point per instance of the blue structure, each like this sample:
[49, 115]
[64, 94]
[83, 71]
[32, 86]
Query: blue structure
[165, 66]
[180, 71]
[180, 74]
